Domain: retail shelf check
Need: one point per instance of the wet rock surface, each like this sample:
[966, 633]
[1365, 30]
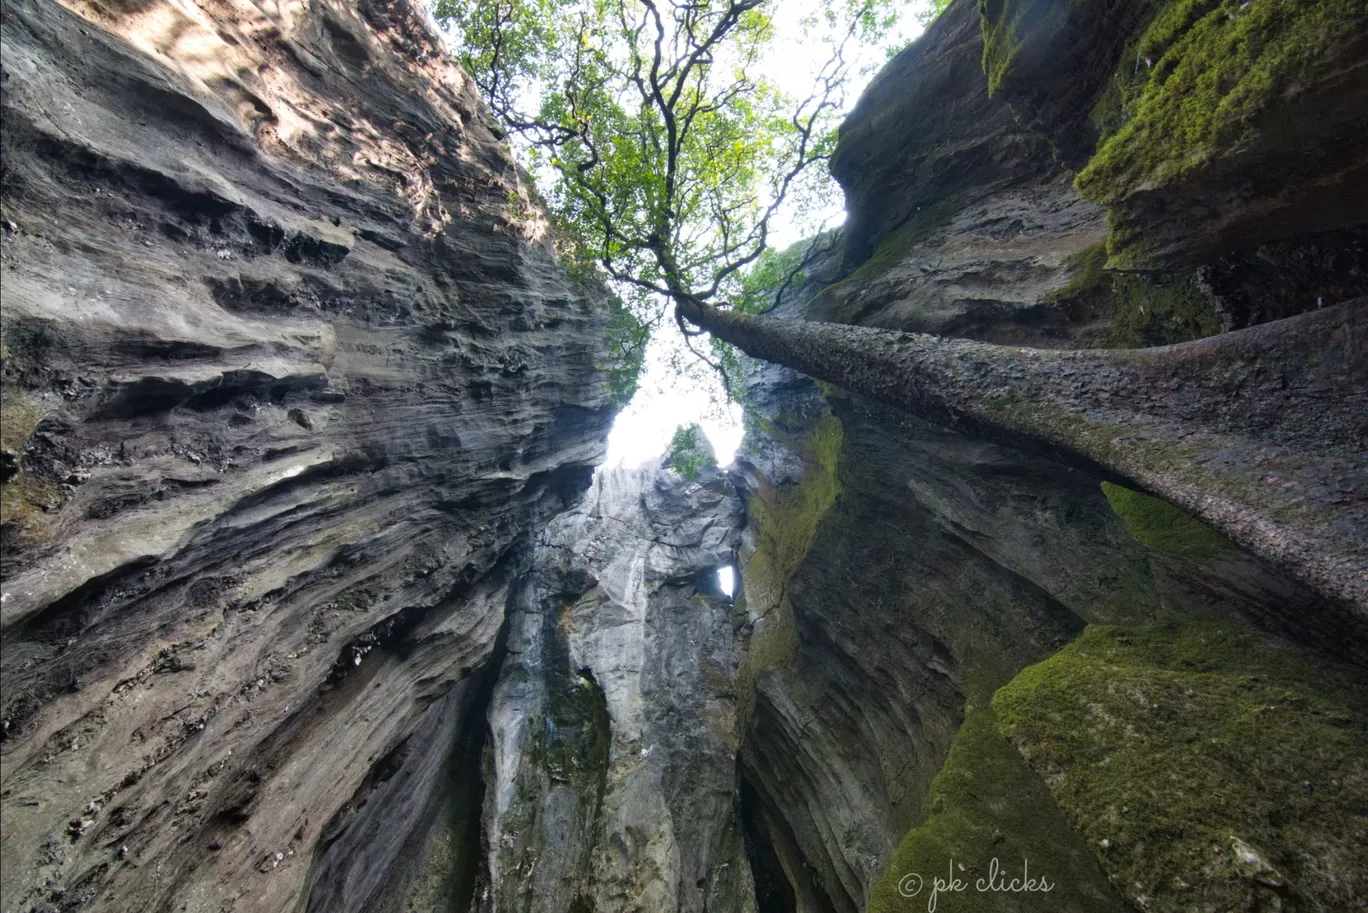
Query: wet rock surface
[286, 379]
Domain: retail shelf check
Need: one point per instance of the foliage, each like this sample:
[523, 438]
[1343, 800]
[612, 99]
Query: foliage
[774, 273]
[669, 149]
[690, 452]
[762, 288]
[1166, 744]
[627, 339]
[931, 10]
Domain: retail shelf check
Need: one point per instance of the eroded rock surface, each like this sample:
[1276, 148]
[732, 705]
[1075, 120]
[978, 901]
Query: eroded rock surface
[613, 781]
[899, 573]
[288, 372]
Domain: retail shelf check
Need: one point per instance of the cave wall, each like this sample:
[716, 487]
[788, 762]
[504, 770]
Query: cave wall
[291, 375]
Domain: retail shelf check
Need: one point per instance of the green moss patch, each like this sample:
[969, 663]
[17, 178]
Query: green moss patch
[18, 419]
[786, 523]
[1137, 310]
[1201, 73]
[1003, 22]
[898, 243]
[987, 804]
[1164, 529]
[1206, 767]
[25, 501]
[25, 498]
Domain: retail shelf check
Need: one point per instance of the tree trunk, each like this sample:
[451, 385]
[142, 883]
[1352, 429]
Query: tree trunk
[1262, 432]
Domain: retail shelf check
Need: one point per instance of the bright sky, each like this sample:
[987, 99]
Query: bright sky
[664, 400]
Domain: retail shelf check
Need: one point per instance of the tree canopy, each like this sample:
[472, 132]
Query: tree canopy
[665, 147]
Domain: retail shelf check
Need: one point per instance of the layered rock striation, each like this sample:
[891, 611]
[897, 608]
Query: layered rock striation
[291, 376]
[907, 579]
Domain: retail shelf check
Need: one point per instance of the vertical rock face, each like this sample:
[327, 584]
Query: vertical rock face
[897, 574]
[613, 782]
[935, 568]
[290, 369]
[924, 135]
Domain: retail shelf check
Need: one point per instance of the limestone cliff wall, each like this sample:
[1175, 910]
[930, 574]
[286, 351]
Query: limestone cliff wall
[310, 602]
[291, 375]
[612, 773]
[897, 574]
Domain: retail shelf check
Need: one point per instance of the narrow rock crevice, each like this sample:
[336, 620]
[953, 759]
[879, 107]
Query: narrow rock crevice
[784, 880]
[410, 837]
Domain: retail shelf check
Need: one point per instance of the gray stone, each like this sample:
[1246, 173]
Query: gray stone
[301, 383]
[614, 783]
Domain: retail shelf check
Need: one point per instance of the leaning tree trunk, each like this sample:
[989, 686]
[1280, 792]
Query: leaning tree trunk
[1261, 432]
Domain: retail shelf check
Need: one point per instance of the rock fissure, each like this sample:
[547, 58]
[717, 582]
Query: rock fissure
[316, 598]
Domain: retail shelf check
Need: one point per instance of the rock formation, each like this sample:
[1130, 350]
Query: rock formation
[291, 375]
[310, 602]
[613, 782]
[910, 571]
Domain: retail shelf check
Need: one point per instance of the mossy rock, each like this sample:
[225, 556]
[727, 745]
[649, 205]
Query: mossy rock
[1210, 68]
[1136, 310]
[987, 804]
[1201, 84]
[25, 498]
[786, 524]
[1164, 529]
[1207, 767]
[574, 743]
[1005, 24]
